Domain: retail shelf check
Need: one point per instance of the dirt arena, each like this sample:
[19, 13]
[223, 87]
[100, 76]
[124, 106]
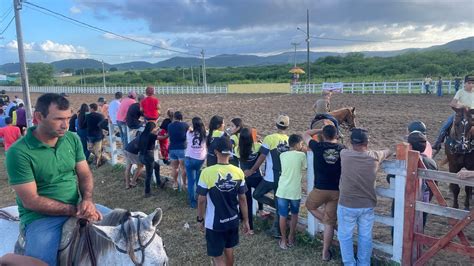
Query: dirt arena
[385, 116]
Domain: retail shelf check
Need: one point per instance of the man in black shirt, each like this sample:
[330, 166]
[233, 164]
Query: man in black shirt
[327, 172]
[133, 116]
[95, 134]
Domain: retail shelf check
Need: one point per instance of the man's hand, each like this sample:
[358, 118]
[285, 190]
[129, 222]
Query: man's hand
[86, 209]
[245, 226]
[464, 174]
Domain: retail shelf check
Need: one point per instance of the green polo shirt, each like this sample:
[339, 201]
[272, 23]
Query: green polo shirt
[52, 168]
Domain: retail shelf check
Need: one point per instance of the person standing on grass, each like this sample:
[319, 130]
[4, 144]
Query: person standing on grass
[195, 155]
[131, 152]
[114, 107]
[9, 133]
[146, 146]
[357, 198]
[122, 116]
[327, 172]
[248, 151]
[164, 143]
[150, 106]
[177, 135]
[103, 108]
[288, 193]
[216, 130]
[95, 135]
[234, 131]
[272, 147]
[221, 191]
[20, 118]
[51, 178]
[81, 128]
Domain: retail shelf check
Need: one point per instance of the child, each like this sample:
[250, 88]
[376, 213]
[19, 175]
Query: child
[288, 193]
[164, 143]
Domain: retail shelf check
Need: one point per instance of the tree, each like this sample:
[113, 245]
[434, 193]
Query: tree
[40, 74]
[113, 69]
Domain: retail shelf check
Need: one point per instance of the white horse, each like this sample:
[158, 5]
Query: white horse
[121, 238]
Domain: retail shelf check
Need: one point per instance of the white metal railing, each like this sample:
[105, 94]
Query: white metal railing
[386, 87]
[123, 89]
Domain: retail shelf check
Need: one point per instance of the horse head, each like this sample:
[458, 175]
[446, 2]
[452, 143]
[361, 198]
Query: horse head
[137, 237]
[350, 117]
[461, 133]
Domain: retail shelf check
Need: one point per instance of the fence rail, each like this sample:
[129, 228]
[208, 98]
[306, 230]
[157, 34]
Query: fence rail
[124, 89]
[387, 87]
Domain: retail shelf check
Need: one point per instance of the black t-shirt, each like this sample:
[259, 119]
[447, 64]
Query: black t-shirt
[92, 121]
[72, 123]
[326, 164]
[132, 146]
[150, 143]
[165, 123]
[133, 116]
[4, 99]
[177, 135]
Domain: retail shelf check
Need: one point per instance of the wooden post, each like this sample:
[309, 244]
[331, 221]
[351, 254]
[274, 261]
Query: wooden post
[399, 212]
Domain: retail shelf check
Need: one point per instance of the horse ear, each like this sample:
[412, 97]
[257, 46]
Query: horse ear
[154, 218]
[353, 109]
[108, 232]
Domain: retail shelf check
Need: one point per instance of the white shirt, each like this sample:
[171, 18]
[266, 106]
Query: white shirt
[113, 110]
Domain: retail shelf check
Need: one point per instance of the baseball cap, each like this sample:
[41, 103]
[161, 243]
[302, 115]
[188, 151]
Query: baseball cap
[359, 136]
[101, 100]
[132, 95]
[417, 126]
[417, 140]
[469, 77]
[283, 121]
[223, 145]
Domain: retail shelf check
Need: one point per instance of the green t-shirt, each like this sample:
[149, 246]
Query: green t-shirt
[292, 164]
[53, 169]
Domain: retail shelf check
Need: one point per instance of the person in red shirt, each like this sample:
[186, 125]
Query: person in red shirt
[150, 106]
[10, 133]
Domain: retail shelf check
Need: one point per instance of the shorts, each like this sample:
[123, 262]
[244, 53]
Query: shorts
[131, 158]
[318, 197]
[218, 241]
[176, 155]
[283, 206]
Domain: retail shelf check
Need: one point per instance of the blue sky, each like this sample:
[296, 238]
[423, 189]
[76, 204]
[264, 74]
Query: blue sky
[229, 27]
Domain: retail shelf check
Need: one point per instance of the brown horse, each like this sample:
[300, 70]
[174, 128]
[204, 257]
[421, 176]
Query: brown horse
[344, 116]
[459, 149]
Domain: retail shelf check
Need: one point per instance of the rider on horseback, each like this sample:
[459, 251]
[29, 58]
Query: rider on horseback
[321, 108]
[462, 99]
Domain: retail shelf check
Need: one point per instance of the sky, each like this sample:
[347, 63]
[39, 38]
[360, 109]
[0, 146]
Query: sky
[259, 27]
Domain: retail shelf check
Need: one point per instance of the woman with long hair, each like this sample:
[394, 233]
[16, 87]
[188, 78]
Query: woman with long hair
[216, 130]
[146, 145]
[234, 128]
[81, 127]
[196, 150]
[248, 152]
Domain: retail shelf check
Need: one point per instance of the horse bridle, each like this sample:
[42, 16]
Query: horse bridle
[141, 247]
[463, 144]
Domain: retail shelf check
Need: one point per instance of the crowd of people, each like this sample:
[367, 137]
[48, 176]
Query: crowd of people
[222, 192]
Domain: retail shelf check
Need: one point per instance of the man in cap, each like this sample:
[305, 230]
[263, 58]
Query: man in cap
[273, 145]
[462, 99]
[221, 191]
[357, 198]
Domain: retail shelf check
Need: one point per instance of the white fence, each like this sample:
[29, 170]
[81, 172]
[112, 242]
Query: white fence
[392, 87]
[125, 89]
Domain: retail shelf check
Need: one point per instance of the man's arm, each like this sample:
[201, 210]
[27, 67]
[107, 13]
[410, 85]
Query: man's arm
[244, 212]
[464, 174]
[260, 160]
[28, 195]
[201, 209]
[308, 135]
[86, 185]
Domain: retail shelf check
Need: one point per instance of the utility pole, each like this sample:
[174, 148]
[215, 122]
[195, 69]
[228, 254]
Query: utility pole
[103, 72]
[21, 58]
[307, 46]
[199, 75]
[183, 74]
[204, 80]
[295, 44]
[84, 75]
[192, 75]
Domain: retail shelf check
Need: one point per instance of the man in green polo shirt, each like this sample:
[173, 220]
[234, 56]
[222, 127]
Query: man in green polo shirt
[51, 178]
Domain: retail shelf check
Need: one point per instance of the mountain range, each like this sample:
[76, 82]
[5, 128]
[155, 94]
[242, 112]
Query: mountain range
[235, 60]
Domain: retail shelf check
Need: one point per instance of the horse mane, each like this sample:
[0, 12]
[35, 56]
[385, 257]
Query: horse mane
[101, 245]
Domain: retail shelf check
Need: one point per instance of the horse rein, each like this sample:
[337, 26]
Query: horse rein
[82, 227]
[130, 251]
[7, 216]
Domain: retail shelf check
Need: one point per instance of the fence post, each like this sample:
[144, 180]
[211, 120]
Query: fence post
[363, 87]
[352, 88]
[409, 87]
[313, 223]
[384, 87]
[449, 87]
[373, 87]
[113, 145]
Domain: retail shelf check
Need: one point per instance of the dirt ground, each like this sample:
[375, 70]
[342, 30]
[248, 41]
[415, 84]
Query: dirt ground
[385, 116]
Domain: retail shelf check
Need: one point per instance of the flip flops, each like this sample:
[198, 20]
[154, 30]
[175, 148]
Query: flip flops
[329, 257]
[284, 247]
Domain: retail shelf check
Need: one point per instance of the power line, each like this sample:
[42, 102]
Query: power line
[368, 41]
[8, 25]
[103, 30]
[6, 14]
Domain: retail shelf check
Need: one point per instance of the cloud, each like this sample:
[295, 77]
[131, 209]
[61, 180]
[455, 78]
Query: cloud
[48, 50]
[75, 10]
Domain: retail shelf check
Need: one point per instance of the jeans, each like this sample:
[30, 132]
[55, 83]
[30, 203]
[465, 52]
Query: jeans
[44, 235]
[427, 89]
[123, 132]
[252, 182]
[348, 218]
[193, 171]
[259, 194]
[148, 161]
[83, 137]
